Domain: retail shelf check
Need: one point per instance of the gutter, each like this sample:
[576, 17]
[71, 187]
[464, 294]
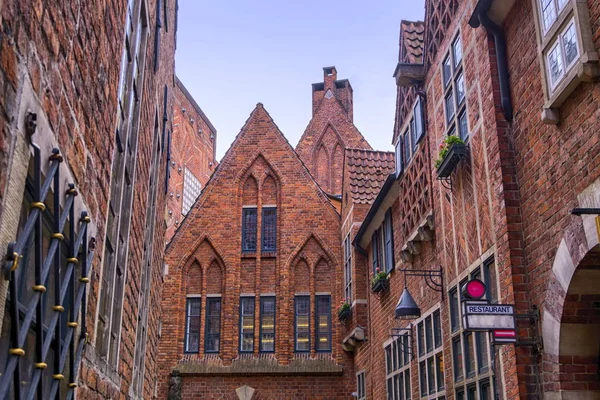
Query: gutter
[478, 18]
[387, 185]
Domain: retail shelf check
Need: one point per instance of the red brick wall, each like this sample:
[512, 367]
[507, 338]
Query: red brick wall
[193, 146]
[308, 234]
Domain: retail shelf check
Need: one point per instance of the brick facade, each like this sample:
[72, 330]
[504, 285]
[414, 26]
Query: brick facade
[193, 147]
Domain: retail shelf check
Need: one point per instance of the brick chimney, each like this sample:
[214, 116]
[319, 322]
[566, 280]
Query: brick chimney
[340, 89]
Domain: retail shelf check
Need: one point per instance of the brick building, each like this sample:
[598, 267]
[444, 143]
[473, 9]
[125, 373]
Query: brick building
[515, 206]
[192, 156]
[87, 90]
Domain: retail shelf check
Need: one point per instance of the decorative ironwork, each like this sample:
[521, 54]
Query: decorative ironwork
[434, 278]
[66, 276]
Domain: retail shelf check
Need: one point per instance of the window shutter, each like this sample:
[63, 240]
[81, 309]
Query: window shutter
[399, 163]
[419, 120]
[374, 251]
[389, 241]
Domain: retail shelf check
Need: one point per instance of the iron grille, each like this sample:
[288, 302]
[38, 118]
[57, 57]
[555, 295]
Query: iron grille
[64, 267]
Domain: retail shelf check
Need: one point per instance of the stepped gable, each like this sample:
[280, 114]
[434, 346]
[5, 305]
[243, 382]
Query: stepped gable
[367, 171]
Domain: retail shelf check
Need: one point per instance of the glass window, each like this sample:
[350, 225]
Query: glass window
[469, 354]
[388, 233]
[191, 190]
[247, 324]
[421, 338]
[418, 117]
[569, 39]
[212, 336]
[407, 147]
[449, 106]
[413, 134]
[457, 51]
[398, 148]
[388, 359]
[398, 369]
[482, 352]
[302, 323]
[458, 360]
[437, 329]
[472, 393]
[267, 324]
[323, 315]
[360, 386]
[423, 378]
[269, 231]
[548, 13]
[462, 126]
[348, 268]
[249, 229]
[428, 334]
[460, 89]
[555, 64]
[439, 371]
[192, 325]
[447, 71]
[484, 390]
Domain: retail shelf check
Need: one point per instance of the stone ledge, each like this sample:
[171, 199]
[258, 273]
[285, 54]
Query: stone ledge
[259, 366]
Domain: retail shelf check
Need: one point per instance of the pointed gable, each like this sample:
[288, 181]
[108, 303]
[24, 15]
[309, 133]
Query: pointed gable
[330, 130]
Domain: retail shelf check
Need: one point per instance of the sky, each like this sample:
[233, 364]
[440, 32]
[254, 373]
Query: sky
[236, 53]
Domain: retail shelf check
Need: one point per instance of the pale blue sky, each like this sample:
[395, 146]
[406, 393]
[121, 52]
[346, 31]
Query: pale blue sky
[234, 54]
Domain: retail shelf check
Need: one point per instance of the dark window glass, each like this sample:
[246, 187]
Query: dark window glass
[407, 384]
[439, 371]
[449, 106]
[247, 324]
[460, 394]
[302, 323]
[454, 309]
[447, 70]
[421, 338]
[212, 336]
[463, 128]
[469, 354]
[460, 89]
[267, 324]
[484, 390]
[406, 349]
[390, 389]
[249, 229]
[269, 231]
[482, 351]
[457, 51]
[489, 271]
[458, 359]
[430, 375]
[413, 134]
[375, 250]
[399, 164]
[388, 358]
[192, 325]
[323, 321]
[419, 120]
[437, 329]
[428, 334]
[388, 232]
[423, 378]
[472, 393]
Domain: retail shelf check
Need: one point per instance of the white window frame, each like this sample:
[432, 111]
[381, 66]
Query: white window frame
[398, 362]
[425, 355]
[361, 388]
[348, 269]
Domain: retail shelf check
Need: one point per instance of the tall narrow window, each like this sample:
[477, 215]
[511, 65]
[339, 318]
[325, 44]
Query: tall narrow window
[398, 155]
[191, 190]
[388, 233]
[407, 147]
[249, 229]
[431, 358]
[302, 323]
[360, 386]
[375, 250]
[192, 325]
[269, 229]
[212, 331]
[267, 324]
[455, 92]
[246, 324]
[348, 268]
[323, 322]
[115, 258]
[398, 368]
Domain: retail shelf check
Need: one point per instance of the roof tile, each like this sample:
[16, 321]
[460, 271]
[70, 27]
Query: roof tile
[367, 171]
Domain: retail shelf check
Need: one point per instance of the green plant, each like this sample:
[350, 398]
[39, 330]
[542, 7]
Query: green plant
[378, 276]
[445, 147]
[345, 306]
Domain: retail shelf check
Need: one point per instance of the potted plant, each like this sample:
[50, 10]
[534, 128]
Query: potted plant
[379, 283]
[344, 311]
[452, 150]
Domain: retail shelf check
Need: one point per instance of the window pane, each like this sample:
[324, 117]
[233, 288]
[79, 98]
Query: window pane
[428, 334]
[555, 64]
[482, 351]
[191, 190]
[269, 231]
[388, 233]
[570, 44]
[192, 340]
[247, 324]
[249, 229]
[390, 389]
[405, 349]
[302, 323]
[460, 89]
[458, 359]
[489, 272]
[323, 331]
[421, 339]
[430, 375]
[462, 126]
[449, 106]
[548, 13]
[562, 4]
[413, 134]
[407, 148]
[423, 378]
[460, 395]
[439, 371]
[398, 386]
[472, 393]
[484, 391]
[399, 156]
[407, 384]
[469, 354]
[447, 71]
[213, 325]
[457, 51]
[267, 324]
[454, 309]
[437, 329]
[388, 359]
[348, 268]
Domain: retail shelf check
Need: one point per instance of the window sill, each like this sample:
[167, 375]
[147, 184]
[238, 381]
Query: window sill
[586, 69]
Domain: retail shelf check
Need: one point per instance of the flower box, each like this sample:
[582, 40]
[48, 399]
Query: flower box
[344, 314]
[380, 285]
[456, 152]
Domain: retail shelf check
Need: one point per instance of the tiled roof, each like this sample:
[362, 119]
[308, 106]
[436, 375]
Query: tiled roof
[411, 41]
[367, 171]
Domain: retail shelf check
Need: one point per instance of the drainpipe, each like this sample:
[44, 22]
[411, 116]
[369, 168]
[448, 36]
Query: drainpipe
[480, 17]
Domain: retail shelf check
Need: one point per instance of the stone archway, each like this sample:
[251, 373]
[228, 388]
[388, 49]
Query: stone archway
[571, 310]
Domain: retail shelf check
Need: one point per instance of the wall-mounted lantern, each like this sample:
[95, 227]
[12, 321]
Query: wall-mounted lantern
[407, 307]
